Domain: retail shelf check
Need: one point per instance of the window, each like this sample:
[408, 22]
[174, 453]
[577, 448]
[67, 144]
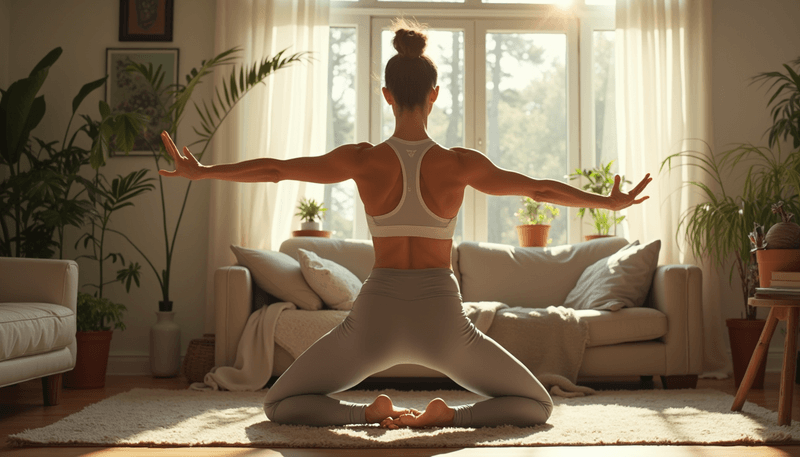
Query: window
[512, 85]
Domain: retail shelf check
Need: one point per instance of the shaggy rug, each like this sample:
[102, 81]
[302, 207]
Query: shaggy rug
[147, 417]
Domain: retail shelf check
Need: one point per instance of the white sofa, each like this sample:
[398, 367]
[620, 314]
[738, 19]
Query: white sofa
[661, 338]
[38, 305]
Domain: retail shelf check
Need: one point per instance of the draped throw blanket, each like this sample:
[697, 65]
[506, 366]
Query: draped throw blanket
[550, 342]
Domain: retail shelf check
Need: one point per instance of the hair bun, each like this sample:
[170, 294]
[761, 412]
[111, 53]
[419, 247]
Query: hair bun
[410, 42]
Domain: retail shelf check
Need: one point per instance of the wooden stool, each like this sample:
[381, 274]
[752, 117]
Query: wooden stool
[780, 309]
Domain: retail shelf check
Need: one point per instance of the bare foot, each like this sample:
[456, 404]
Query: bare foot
[382, 409]
[437, 414]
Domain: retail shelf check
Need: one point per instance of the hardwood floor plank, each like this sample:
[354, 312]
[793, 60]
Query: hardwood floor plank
[21, 408]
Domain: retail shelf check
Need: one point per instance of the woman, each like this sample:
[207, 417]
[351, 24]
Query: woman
[409, 309]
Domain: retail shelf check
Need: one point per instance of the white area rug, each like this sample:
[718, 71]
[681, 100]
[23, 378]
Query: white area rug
[146, 417]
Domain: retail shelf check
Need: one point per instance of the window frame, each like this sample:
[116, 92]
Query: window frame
[578, 23]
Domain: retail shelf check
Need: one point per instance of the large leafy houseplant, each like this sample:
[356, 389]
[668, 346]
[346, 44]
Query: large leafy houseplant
[719, 227]
[43, 192]
[600, 180]
[174, 99]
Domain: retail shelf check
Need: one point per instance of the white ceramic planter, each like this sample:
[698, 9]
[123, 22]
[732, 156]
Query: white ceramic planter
[165, 346]
[310, 226]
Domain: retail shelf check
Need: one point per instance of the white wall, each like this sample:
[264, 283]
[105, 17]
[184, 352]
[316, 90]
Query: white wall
[84, 29]
[748, 38]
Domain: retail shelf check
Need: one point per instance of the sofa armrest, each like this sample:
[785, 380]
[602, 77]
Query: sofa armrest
[677, 291]
[51, 281]
[233, 302]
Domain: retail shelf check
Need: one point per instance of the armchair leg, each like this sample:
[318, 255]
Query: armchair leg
[688, 381]
[51, 389]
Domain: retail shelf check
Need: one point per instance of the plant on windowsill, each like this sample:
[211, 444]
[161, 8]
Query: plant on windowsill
[535, 217]
[601, 182]
[311, 213]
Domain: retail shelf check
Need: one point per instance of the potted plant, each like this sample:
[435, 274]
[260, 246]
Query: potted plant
[175, 99]
[97, 318]
[600, 181]
[310, 213]
[781, 247]
[535, 217]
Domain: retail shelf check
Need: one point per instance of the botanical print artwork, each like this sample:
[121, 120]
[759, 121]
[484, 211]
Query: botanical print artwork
[130, 91]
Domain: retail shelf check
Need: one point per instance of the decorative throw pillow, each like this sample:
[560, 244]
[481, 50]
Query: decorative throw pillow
[336, 285]
[279, 275]
[619, 280]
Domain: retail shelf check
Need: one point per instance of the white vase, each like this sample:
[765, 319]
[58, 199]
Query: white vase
[165, 346]
[309, 226]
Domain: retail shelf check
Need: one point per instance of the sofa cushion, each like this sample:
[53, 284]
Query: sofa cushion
[34, 328]
[335, 284]
[624, 326]
[527, 277]
[279, 275]
[357, 256]
[619, 280]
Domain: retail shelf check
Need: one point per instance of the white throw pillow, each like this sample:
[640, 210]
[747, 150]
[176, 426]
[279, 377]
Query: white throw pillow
[619, 280]
[336, 285]
[278, 274]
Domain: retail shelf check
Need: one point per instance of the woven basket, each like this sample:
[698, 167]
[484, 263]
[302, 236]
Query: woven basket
[199, 358]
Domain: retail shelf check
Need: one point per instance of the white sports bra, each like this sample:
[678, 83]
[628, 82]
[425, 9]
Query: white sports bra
[411, 217]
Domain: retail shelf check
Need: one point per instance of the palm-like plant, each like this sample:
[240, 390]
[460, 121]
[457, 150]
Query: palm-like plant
[175, 98]
[785, 111]
[718, 228]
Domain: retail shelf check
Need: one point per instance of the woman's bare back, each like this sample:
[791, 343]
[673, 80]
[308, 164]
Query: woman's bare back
[382, 189]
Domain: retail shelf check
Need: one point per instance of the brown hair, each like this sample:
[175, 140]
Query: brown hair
[410, 75]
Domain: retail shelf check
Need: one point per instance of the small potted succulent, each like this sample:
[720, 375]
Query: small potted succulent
[97, 318]
[600, 181]
[310, 212]
[535, 217]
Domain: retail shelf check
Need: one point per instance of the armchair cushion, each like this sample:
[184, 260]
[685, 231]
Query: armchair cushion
[34, 328]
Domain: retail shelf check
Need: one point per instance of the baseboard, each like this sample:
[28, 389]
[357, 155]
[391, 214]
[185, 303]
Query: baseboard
[129, 365]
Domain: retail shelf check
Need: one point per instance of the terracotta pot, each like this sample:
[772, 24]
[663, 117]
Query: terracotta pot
[91, 361]
[770, 260]
[744, 335]
[594, 237]
[533, 235]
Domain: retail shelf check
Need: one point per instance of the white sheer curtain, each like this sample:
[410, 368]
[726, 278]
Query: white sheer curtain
[663, 56]
[282, 119]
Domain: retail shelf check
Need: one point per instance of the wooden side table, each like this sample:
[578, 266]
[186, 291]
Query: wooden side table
[787, 309]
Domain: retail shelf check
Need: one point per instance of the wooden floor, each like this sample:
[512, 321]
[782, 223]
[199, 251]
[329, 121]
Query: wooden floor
[21, 408]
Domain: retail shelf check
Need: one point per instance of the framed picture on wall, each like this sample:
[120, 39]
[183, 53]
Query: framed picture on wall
[129, 91]
[145, 20]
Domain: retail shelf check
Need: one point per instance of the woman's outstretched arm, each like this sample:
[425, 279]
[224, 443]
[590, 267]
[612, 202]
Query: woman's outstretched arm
[479, 172]
[339, 165]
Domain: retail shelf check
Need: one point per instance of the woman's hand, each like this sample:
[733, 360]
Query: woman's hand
[620, 200]
[185, 164]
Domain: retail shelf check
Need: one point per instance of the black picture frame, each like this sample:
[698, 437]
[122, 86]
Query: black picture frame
[146, 20]
[128, 92]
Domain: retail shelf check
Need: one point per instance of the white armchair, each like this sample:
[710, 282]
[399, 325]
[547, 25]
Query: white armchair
[38, 305]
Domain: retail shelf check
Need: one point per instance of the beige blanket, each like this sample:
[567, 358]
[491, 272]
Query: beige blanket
[551, 342]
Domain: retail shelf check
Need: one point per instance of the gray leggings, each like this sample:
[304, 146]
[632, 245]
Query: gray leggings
[407, 316]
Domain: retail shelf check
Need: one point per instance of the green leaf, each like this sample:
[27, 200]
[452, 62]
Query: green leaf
[87, 89]
[105, 110]
[47, 61]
